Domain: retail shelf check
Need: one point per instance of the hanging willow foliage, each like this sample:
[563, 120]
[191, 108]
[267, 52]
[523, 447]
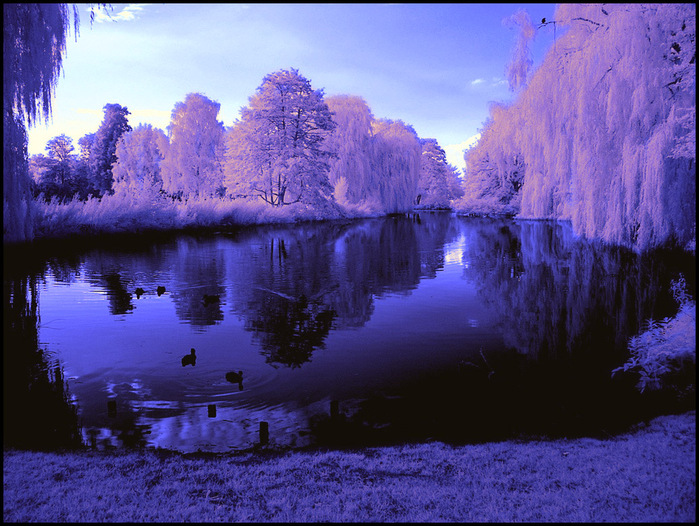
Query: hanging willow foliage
[33, 46]
[34, 41]
[604, 132]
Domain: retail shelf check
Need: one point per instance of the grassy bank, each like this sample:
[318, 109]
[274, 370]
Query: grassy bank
[648, 475]
[123, 213]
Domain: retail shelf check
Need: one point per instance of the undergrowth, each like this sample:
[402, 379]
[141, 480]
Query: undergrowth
[664, 354]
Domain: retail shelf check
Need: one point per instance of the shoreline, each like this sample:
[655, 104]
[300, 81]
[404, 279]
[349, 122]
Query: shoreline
[647, 474]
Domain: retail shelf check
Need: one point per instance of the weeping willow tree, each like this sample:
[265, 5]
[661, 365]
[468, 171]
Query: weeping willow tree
[34, 42]
[603, 133]
[395, 164]
[350, 170]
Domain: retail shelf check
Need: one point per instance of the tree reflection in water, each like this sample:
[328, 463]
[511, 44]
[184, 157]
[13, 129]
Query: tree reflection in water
[37, 413]
[289, 330]
[556, 295]
[307, 280]
[555, 314]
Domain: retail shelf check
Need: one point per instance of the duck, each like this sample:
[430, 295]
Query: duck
[235, 378]
[161, 290]
[209, 299]
[189, 359]
[139, 292]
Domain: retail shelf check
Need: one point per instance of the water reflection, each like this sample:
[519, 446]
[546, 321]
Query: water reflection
[423, 326]
[557, 294]
[119, 297]
[293, 285]
[37, 408]
[288, 330]
[198, 273]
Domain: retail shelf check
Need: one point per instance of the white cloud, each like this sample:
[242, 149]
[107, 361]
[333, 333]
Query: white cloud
[127, 13]
[494, 82]
[455, 152]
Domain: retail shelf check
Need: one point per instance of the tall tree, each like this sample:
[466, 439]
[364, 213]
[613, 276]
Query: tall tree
[350, 169]
[140, 153]
[60, 148]
[60, 174]
[34, 40]
[59, 151]
[193, 162]
[395, 165]
[276, 149]
[439, 182]
[103, 149]
[605, 130]
[85, 143]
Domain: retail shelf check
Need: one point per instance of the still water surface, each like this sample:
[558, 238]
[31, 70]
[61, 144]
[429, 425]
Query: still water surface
[423, 327]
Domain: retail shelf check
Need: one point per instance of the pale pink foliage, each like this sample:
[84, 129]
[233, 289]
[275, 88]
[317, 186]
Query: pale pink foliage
[276, 151]
[521, 62]
[193, 163]
[439, 182]
[140, 153]
[377, 163]
[605, 129]
[395, 165]
[350, 170]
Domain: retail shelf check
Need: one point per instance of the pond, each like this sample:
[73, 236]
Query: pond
[406, 328]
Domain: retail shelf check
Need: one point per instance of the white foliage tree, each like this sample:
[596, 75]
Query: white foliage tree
[521, 62]
[605, 129]
[395, 165]
[140, 153]
[350, 169]
[494, 167]
[276, 150]
[439, 182]
[193, 163]
[376, 163]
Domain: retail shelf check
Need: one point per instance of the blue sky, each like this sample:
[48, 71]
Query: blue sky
[433, 66]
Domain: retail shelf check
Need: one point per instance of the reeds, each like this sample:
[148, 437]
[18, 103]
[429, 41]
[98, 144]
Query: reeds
[126, 213]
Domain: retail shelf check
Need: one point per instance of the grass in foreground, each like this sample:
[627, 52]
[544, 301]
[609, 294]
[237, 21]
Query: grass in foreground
[645, 476]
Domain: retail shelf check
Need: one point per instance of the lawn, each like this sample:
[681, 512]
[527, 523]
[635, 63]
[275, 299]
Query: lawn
[647, 475]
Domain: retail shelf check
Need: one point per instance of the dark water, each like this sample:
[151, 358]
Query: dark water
[368, 332]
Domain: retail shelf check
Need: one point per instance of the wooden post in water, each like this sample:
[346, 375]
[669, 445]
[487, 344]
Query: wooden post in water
[92, 433]
[212, 410]
[264, 433]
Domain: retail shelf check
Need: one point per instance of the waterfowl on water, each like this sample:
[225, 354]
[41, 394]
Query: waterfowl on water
[235, 378]
[189, 359]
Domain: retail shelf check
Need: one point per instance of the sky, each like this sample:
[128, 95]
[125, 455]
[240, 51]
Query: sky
[433, 66]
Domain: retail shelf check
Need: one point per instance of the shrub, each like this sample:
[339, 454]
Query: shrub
[664, 354]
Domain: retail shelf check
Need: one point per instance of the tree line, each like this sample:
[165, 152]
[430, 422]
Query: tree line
[290, 144]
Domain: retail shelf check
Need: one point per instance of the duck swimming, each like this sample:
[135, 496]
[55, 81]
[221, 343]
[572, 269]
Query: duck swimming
[235, 378]
[189, 359]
